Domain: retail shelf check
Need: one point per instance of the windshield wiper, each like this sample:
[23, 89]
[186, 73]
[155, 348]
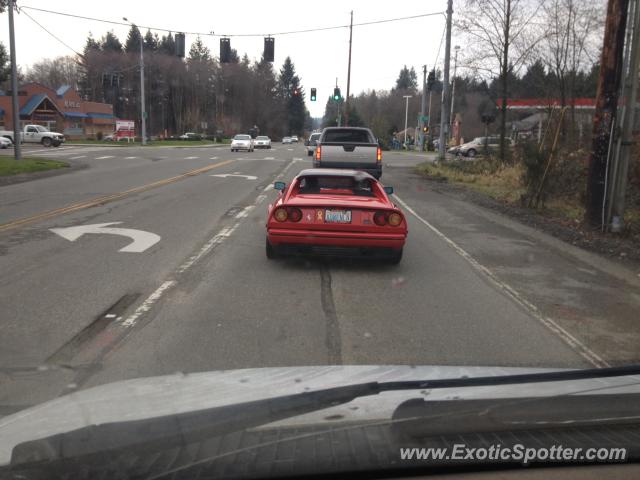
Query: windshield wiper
[92, 442]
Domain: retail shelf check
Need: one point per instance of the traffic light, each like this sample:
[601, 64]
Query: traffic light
[225, 50]
[269, 49]
[431, 79]
[179, 40]
[313, 94]
[336, 94]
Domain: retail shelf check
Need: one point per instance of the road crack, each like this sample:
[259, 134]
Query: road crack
[332, 338]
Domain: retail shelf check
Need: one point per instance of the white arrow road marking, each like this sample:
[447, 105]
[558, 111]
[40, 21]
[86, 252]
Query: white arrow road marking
[104, 157]
[225, 175]
[141, 240]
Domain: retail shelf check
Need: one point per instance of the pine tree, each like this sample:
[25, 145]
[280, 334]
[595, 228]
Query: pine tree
[199, 51]
[110, 43]
[167, 45]
[132, 45]
[150, 42]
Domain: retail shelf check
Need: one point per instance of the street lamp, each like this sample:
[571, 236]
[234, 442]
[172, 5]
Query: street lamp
[406, 117]
[143, 112]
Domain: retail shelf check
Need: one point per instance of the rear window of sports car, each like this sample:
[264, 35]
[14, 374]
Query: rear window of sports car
[317, 185]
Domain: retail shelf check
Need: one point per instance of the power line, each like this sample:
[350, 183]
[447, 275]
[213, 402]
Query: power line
[211, 34]
[54, 36]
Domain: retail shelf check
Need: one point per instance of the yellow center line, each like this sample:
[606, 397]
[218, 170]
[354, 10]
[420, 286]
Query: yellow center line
[107, 198]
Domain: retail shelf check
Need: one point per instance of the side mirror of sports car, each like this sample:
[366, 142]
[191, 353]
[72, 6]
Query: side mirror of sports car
[388, 190]
[279, 186]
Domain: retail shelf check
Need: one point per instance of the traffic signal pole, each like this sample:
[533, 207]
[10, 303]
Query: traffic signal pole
[346, 105]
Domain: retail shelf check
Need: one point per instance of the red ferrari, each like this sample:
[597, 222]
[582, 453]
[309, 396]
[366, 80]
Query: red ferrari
[335, 213]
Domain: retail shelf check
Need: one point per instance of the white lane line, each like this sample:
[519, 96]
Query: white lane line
[190, 262]
[191, 158]
[78, 157]
[268, 188]
[589, 355]
[131, 320]
[130, 158]
[206, 248]
[213, 158]
[104, 157]
[269, 158]
[245, 211]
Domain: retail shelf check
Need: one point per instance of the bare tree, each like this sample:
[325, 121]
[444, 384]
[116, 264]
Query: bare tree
[500, 38]
[54, 73]
[572, 42]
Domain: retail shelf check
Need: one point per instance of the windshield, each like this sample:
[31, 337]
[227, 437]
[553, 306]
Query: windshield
[448, 190]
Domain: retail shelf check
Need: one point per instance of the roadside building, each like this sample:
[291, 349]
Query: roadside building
[61, 110]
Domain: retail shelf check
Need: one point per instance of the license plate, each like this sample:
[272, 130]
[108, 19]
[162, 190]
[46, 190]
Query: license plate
[337, 216]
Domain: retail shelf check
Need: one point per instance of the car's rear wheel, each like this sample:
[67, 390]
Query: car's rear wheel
[270, 251]
[396, 257]
[46, 142]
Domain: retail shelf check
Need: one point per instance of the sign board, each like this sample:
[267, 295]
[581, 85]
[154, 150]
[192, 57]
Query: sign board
[423, 118]
[71, 104]
[125, 129]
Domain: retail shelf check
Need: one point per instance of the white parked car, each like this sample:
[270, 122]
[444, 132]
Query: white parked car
[294, 138]
[242, 142]
[286, 140]
[5, 142]
[262, 142]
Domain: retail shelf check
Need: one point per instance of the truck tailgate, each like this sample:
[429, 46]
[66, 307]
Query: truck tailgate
[349, 154]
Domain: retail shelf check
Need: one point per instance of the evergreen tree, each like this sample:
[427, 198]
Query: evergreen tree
[110, 43]
[407, 79]
[132, 45]
[167, 45]
[199, 51]
[150, 41]
[292, 95]
[5, 68]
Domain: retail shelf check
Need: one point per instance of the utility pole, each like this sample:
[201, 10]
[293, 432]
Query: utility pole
[453, 85]
[429, 114]
[606, 107]
[444, 111]
[423, 102]
[346, 105]
[620, 177]
[143, 111]
[406, 117]
[17, 148]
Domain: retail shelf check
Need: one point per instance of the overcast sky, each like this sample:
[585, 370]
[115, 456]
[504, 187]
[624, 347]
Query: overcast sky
[379, 51]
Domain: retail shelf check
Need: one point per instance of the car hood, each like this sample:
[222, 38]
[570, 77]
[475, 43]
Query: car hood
[162, 396]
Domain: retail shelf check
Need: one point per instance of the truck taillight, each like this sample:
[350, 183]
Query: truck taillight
[379, 155]
[318, 152]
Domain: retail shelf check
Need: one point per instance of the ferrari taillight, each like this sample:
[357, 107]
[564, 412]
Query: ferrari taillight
[280, 214]
[318, 152]
[394, 219]
[379, 155]
[380, 218]
[295, 214]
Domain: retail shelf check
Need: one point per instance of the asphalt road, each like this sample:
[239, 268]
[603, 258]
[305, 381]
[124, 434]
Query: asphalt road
[474, 288]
